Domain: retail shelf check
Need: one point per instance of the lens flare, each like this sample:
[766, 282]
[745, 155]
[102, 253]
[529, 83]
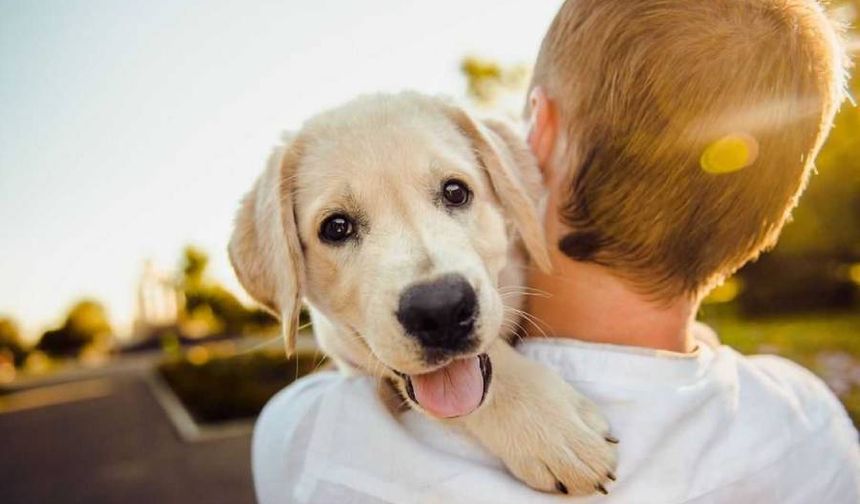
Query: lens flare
[198, 355]
[854, 273]
[725, 293]
[729, 154]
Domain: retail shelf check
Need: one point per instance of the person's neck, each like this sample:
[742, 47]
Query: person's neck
[587, 302]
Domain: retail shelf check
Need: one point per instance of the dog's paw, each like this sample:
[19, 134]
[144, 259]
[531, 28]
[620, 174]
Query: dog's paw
[566, 448]
[548, 435]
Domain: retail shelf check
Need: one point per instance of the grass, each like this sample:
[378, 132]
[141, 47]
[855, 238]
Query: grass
[828, 344]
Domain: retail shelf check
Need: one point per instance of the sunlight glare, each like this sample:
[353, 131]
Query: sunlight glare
[729, 154]
[854, 273]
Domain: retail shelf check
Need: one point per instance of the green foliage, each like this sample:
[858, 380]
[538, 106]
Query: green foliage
[787, 283]
[211, 307]
[10, 341]
[487, 81]
[194, 263]
[86, 324]
[228, 388]
[810, 268]
[828, 219]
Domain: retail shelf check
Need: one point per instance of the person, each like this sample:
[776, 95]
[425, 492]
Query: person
[674, 138]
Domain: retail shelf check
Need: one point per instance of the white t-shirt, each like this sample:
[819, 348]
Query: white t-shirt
[708, 427]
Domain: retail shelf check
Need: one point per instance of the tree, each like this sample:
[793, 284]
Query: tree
[208, 305]
[491, 85]
[10, 340]
[194, 263]
[85, 325]
[812, 264]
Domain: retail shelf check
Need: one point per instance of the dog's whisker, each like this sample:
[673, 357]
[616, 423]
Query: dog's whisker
[533, 320]
[522, 288]
[511, 327]
[506, 295]
[513, 320]
[520, 331]
[515, 291]
[536, 322]
[524, 293]
[266, 343]
[322, 360]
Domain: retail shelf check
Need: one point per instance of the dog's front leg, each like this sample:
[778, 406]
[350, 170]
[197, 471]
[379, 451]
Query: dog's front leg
[548, 435]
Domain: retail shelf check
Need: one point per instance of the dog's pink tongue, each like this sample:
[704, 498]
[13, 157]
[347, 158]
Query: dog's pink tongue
[452, 391]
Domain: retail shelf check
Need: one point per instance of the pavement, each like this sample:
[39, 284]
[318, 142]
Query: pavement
[105, 438]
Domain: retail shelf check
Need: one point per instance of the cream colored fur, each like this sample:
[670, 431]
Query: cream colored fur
[382, 158]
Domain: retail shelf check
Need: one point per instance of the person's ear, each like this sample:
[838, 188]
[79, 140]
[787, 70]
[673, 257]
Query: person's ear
[264, 250]
[543, 128]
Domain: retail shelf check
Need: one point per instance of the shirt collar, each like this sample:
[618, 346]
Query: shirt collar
[579, 361]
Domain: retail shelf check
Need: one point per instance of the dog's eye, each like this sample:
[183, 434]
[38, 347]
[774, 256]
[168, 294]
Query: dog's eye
[456, 193]
[336, 228]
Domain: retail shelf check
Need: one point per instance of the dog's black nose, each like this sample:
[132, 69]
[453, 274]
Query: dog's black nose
[440, 314]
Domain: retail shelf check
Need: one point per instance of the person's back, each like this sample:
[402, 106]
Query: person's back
[707, 427]
[675, 138]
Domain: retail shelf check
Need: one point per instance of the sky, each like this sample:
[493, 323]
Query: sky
[130, 129]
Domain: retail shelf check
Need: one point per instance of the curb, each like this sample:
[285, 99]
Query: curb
[183, 423]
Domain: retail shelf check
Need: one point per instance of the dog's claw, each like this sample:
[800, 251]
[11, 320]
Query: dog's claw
[611, 475]
[611, 439]
[600, 488]
[566, 457]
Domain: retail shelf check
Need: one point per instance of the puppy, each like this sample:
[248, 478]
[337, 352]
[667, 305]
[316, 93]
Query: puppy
[405, 225]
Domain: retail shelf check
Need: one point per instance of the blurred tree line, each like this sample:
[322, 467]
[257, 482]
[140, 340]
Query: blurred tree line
[11, 345]
[86, 328]
[816, 264]
[86, 325]
[209, 306]
[207, 310]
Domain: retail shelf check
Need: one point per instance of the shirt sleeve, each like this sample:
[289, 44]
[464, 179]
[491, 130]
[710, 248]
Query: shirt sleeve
[824, 464]
[282, 434]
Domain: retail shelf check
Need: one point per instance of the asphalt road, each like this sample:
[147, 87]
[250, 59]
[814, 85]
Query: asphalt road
[108, 440]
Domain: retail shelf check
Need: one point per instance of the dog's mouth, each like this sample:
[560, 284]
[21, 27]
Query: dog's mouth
[455, 389]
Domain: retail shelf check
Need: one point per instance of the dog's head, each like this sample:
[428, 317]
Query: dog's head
[393, 216]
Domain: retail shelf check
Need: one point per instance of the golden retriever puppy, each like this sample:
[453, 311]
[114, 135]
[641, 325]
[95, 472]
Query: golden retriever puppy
[405, 225]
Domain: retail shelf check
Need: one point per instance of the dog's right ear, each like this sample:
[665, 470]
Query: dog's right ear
[503, 156]
[264, 249]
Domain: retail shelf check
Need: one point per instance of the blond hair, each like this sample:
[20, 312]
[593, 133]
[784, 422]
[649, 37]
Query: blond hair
[650, 93]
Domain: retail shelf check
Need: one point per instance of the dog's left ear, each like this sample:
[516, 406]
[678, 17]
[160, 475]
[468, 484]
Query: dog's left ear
[507, 161]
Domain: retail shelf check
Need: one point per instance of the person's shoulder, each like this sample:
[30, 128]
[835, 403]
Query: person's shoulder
[286, 426]
[286, 419]
[292, 411]
[299, 398]
[800, 426]
[780, 381]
